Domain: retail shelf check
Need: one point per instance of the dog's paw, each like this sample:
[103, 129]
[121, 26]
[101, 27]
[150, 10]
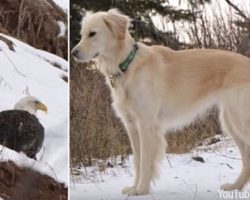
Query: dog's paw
[229, 187]
[133, 191]
[127, 190]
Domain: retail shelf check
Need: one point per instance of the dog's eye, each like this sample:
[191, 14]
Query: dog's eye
[92, 33]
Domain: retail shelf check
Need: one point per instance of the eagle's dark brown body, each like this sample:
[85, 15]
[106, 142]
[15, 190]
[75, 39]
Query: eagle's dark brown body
[21, 131]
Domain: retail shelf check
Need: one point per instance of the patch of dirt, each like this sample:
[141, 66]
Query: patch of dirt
[36, 23]
[26, 184]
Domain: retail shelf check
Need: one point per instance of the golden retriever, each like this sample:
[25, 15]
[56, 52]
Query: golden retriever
[163, 89]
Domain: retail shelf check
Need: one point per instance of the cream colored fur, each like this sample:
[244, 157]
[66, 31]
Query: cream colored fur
[165, 89]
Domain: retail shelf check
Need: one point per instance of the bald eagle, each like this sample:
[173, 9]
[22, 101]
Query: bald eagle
[20, 129]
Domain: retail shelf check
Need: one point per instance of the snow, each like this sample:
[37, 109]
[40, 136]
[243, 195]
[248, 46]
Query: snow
[62, 28]
[29, 71]
[181, 178]
[48, 57]
[64, 4]
[22, 160]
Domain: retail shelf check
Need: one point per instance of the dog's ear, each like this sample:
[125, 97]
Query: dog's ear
[116, 23]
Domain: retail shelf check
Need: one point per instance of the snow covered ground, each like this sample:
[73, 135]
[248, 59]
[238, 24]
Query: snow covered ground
[181, 178]
[21, 160]
[29, 71]
[64, 4]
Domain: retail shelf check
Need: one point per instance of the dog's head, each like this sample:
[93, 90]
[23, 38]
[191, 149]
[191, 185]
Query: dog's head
[100, 33]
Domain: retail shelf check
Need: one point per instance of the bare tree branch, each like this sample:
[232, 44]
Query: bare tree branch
[240, 12]
[8, 42]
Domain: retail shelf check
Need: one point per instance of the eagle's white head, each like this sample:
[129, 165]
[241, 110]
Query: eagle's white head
[30, 104]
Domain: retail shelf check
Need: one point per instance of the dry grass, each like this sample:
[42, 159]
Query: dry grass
[183, 141]
[95, 131]
[35, 22]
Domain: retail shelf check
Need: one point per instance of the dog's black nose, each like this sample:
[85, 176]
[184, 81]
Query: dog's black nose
[74, 52]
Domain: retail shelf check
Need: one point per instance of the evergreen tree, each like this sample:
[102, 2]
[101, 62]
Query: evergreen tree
[139, 11]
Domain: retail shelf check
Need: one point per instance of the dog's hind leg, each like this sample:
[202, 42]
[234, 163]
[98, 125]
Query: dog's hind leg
[152, 149]
[231, 124]
[132, 130]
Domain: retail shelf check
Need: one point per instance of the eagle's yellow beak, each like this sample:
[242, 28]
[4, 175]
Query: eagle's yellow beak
[41, 106]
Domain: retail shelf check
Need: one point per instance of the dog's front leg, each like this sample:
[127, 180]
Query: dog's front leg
[133, 133]
[152, 148]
